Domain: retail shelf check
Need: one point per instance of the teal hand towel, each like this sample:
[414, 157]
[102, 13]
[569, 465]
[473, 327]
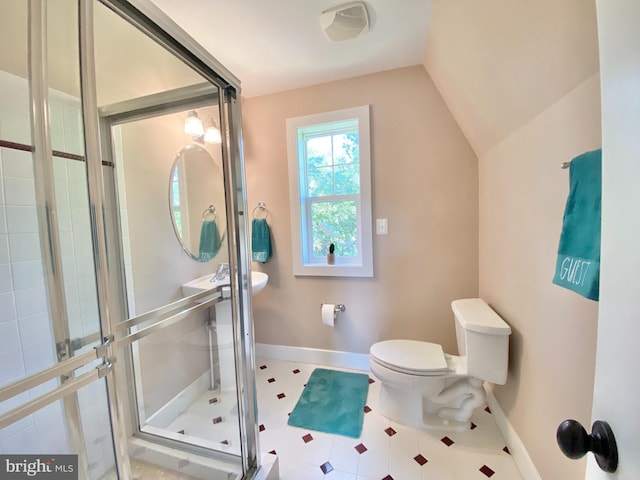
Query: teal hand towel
[260, 240]
[209, 240]
[578, 263]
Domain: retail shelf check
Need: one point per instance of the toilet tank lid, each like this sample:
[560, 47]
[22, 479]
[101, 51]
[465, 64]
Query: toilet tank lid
[474, 314]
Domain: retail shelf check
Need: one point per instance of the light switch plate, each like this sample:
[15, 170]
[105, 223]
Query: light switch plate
[382, 226]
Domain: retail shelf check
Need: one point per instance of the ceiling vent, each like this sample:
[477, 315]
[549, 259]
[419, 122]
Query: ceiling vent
[345, 22]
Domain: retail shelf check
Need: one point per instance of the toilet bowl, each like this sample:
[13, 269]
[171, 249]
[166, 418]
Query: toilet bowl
[423, 387]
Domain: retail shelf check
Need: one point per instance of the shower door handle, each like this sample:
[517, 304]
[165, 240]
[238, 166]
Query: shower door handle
[575, 442]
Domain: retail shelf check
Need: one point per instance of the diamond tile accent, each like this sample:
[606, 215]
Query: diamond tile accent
[420, 459]
[273, 452]
[281, 396]
[262, 367]
[225, 442]
[271, 380]
[296, 371]
[213, 400]
[390, 431]
[488, 410]
[326, 468]
[487, 471]
[367, 409]
[182, 432]
[360, 448]
[447, 441]
[371, 380]
[473, 426]
[261, 428]
[388, 477]
[506, 450]
[217, 420]
[307, 438]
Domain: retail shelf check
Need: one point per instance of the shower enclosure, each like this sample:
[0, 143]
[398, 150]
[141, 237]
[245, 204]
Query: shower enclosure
[103, 198]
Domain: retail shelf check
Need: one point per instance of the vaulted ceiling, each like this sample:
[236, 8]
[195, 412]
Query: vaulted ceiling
[499, 63]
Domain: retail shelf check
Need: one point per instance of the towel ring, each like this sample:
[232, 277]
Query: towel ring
[211, 209]
[262, 207]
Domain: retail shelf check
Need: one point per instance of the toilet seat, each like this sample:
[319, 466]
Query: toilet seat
[411, 357]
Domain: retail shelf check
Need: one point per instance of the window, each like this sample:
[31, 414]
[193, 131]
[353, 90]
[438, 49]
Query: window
[179, 201]
[330, 185]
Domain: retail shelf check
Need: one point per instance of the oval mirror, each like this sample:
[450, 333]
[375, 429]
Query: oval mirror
[197, 203]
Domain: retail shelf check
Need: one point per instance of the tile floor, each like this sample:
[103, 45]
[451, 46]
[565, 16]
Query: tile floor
[385, 450]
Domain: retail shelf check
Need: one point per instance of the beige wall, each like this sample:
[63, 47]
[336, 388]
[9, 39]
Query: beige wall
[522, 197]
[424, 181]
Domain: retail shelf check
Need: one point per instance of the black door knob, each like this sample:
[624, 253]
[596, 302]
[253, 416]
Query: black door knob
[574, 441]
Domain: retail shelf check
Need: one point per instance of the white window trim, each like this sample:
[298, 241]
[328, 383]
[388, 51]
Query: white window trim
[365, 268]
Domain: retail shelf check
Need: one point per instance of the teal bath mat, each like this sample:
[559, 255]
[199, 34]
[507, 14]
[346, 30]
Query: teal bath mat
[332, 402]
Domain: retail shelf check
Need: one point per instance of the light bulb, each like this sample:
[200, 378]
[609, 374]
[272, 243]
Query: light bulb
[193, 125]
[212, 134]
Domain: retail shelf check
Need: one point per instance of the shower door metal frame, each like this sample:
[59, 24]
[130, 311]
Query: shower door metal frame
[47, 213]
[142, 108]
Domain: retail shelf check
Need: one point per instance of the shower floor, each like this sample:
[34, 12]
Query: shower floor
[213, 417]
[385, 450]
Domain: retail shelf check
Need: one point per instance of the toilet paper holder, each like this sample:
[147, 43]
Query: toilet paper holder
[337, 309]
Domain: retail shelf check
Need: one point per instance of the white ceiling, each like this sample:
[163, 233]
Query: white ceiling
[276, 45]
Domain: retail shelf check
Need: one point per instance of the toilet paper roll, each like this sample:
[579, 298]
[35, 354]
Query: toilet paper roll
[328, 314]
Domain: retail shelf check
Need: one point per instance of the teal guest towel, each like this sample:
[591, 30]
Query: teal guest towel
[578, 263]
[260, 240]
[209, 240]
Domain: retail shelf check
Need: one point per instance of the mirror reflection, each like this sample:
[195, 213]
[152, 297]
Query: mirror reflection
[196, 202]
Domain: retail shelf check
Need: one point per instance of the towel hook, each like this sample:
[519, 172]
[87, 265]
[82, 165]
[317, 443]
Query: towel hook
[210, 209]
[262, 207]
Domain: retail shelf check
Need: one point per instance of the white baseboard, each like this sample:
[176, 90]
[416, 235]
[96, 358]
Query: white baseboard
[178, 404]
[331, 358]
[519, 453]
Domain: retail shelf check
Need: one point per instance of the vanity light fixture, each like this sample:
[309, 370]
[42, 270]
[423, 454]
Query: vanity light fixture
[211, 133]
[193, 125]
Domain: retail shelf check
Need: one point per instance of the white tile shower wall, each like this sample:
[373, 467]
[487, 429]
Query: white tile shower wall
[26, 337]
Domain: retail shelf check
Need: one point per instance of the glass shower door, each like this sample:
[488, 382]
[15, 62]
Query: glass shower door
[171, 182]
[96, 332]
[48, 300]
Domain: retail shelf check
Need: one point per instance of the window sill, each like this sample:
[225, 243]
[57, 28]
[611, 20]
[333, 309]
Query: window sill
[321, 270]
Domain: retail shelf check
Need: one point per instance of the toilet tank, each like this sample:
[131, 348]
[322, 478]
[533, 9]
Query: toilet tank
[483, 337]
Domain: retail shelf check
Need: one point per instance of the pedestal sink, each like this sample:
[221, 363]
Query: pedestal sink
[258, 282]
[223, 324]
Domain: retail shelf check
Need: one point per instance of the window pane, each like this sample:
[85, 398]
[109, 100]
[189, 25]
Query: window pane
[347, 179]
[334, 222]
[318, 151]
[345, 148]
[320, 182]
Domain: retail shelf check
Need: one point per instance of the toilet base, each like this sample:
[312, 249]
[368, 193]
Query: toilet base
[412, 409]
[436, 423]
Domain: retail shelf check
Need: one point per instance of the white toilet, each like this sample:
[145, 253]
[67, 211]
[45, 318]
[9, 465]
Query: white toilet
[423, 387]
